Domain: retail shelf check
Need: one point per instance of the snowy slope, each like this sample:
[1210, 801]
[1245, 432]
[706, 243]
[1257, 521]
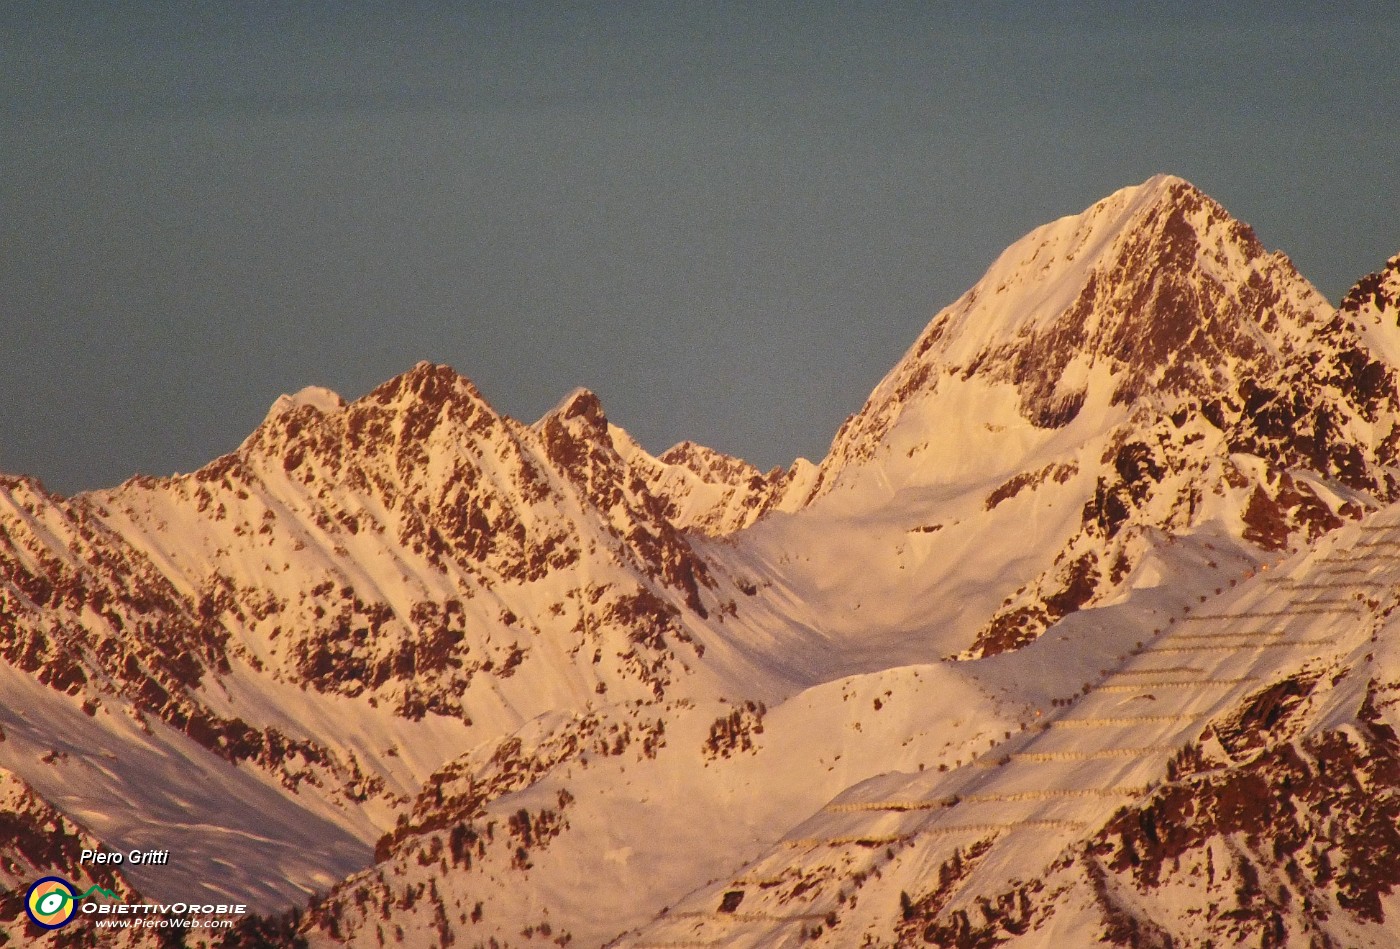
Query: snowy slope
[1228, 733]
[672, 798]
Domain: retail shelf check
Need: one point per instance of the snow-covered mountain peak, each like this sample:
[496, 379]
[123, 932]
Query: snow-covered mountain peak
[1158, 282]
[394, 423]
[690, 486]
[706, 490]
[1153, 294]
[575, 426]
[1162, 224]
[580, 402]
[429, 383]
[1138, 370]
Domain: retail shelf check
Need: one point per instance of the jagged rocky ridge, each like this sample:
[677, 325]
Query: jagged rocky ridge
[148, 589]
[485, 656]
[448, 572]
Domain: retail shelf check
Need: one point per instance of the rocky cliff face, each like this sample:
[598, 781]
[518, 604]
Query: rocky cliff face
[1376, 296]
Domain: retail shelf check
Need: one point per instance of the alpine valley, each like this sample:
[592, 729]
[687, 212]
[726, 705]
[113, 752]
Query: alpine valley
[1084, 632]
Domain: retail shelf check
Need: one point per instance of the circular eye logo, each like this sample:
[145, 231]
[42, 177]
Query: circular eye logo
[51, 902]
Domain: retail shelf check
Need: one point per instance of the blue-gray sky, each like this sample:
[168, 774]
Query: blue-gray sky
[729, 220]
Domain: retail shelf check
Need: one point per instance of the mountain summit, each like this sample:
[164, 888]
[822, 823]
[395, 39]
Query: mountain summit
[1155, 294]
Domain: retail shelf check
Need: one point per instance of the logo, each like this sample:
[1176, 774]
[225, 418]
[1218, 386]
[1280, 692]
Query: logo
[51, 902]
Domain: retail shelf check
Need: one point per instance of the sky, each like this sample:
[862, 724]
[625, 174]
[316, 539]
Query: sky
[727, 219]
